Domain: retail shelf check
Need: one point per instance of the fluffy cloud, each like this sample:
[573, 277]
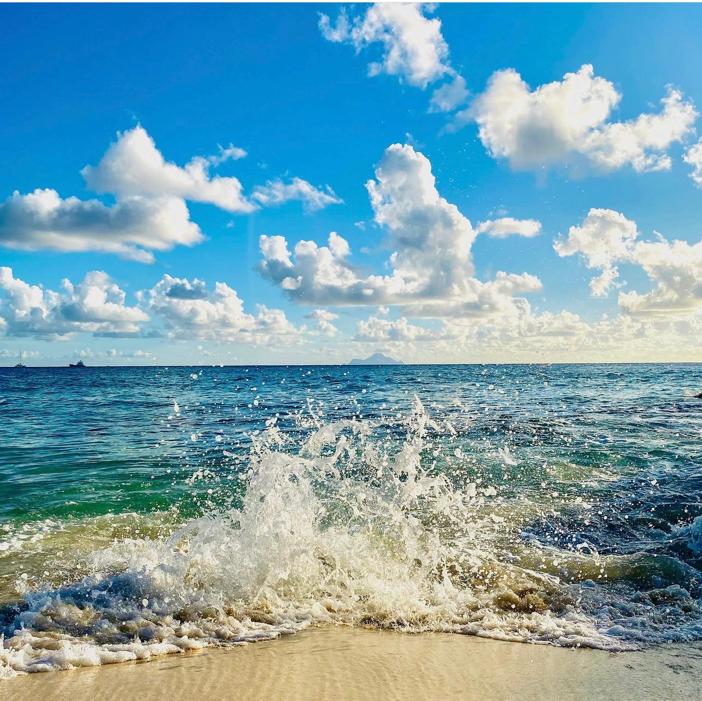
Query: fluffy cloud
[507, 226]
[133, 166]
[276, 192]
[565, 336]
[567, 122]
[449, 96]
[604, 237]
[693, 157]
[380, 329]
[431, 265]
[96, 305]
[527, 336]
[319, 275]
[324, 320]
[431, 239]
[189, 310]
[413, 46]
[500, 297]
[150, 212]
[131, 227]
[674, 267]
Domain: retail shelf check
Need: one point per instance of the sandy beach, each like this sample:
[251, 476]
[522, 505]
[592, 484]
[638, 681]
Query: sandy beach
[350, 664]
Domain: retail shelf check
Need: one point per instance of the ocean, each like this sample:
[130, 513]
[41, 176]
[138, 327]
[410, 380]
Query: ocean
[146, 511]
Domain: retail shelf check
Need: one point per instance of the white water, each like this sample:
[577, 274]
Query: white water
[344, 530]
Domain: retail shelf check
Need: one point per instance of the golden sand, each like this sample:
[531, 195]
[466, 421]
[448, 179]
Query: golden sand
[363, 665]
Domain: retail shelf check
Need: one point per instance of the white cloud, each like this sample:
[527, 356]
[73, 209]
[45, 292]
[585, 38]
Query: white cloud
[431, 268]
[324, 320]
[130, 354]
[674, 267]
[526, 336]
[131, 228]
[413, 46]
[566, 122]
[187, 308]
[150, 212]
[604, 237]
[430, 237]
[96, 305]
[133, 166]
[508, 226]
[190, 310]
[565, 335]
[276, 192]
[693, 157]
[227, 153]
[379, 329]
[449, 96]
[481, 300]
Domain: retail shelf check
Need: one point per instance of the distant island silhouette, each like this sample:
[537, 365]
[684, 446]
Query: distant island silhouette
[376, 359]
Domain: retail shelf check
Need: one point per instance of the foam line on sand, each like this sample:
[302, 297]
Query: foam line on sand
[346, 663]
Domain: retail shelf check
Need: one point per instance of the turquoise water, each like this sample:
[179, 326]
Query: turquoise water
[149, 510]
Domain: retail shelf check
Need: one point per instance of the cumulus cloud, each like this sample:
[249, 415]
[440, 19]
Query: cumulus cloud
[565, 335]
[324, 320]
[217, 315]
[131, 228]
[604, 237]
[431, 267]
[430, 237]
[187, 308]
[500, 297]
[97, 305]
[276, 192]
[693, 157]
[380, 329]
[150, 212]
[508, 226]
[414, 49]
[528, 336]
[674, 267]
[133, 166]
[567, 122]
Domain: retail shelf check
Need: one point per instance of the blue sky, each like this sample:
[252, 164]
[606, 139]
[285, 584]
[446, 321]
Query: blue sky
[265, 79]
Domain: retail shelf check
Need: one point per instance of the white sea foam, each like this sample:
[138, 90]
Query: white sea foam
[343, 530]
[692, 534]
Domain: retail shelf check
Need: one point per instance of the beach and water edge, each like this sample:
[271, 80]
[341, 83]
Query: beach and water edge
[312, 533]
[356, 664]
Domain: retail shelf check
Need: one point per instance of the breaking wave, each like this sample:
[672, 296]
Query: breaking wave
[353, 524]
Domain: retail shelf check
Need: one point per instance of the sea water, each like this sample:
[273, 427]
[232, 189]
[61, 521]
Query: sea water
[146, 511]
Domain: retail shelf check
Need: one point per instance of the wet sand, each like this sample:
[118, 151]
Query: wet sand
[350, 664]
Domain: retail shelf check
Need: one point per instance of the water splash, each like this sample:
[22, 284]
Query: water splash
[352, 522]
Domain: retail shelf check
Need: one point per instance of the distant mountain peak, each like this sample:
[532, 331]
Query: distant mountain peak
[376, 359]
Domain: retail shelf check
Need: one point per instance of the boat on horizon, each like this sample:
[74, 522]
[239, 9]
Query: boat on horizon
[20, 364]
[79, 364]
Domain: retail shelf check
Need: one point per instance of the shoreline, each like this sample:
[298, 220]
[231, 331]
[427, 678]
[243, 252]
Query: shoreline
[360, 664]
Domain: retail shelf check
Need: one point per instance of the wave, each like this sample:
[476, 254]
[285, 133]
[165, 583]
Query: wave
[349, 526]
